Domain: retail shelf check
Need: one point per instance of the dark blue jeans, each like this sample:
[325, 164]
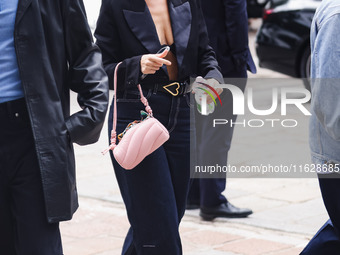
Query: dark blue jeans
[155, 191]
[327, 240]
[24, 229]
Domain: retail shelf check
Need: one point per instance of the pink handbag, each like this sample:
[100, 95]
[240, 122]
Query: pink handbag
[140, 138]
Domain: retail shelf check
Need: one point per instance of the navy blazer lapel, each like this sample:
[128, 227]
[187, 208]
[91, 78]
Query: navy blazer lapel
[180, 14]
[142, 26]
[22, 7]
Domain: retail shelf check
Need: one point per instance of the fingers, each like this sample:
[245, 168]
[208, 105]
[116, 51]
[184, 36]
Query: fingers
[163, 54]
[219, 90]
[151, 63]
[156, 59]
[209, 100]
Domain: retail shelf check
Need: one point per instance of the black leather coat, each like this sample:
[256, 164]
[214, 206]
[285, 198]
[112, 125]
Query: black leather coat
[55, 53]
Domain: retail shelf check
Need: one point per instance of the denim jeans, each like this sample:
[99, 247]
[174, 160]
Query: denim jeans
[327, 240]
[155, 191]
[24, 229]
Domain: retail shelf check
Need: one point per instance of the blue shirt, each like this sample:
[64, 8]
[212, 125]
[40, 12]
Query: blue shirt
[10, 83]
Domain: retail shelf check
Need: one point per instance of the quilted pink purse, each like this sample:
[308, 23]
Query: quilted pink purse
[140, 138]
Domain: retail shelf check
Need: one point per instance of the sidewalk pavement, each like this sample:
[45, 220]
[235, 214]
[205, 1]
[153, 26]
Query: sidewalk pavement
[287, 211]
[280, 226]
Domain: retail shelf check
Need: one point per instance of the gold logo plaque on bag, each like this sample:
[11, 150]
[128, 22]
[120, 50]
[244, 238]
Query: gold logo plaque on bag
[172, 84]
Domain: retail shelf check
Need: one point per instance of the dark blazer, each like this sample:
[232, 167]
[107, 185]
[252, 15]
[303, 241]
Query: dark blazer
[55, 53]
[227, 24]
[125, 31]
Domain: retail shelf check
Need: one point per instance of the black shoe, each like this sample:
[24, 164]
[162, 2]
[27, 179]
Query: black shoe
[225, 210]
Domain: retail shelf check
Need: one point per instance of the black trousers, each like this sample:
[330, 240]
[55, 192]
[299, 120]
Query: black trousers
[24, 229]
[213, 146]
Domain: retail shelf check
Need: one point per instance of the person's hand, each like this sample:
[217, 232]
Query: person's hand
[150, 63]
[199, 83]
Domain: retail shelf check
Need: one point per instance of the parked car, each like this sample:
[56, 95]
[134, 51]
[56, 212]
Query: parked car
[283, 42]
[255, 8]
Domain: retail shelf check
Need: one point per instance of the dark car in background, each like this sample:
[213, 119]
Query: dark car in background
[282, 42]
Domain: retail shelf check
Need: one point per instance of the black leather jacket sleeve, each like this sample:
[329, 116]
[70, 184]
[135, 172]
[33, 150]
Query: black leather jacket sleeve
[86, 75]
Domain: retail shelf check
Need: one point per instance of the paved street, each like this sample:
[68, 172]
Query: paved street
[287, 211]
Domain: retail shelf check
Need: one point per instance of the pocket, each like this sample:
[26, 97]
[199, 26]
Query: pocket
[318, 159]
[132, 96]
